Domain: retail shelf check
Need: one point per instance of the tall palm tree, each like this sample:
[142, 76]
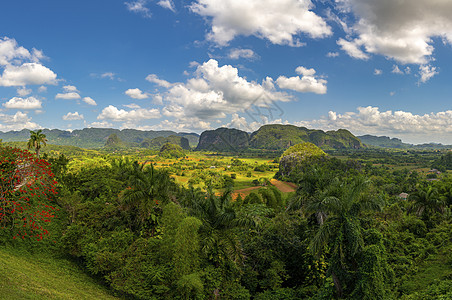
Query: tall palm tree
[427, 200]
[36, 139]
[147, 189]
[340, 232]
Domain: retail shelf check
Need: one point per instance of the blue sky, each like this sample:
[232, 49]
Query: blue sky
[376, 67]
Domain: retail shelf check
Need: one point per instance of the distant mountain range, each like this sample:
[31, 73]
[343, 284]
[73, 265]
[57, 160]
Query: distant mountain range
[97, 137]
[268, 137]
[387, 142]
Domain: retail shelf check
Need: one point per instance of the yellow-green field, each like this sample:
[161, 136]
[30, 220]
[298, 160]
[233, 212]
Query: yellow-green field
[32, 276]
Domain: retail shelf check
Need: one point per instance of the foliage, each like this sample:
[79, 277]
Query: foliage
[27, 189]
[171, 151]
[36, 139]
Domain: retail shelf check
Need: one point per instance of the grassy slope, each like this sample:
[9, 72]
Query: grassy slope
[32, 276]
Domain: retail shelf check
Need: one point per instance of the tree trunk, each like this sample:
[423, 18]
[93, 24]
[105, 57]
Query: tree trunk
[337, 284]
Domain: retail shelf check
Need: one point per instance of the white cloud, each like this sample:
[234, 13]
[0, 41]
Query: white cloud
[10, 50]
[70, 88]
[353, 48]
[378, 72]
[139, 7]
[217, 91]
[21, 103]
[23, 91]
[132, 106]
[42, 89]
[400, 30]
[370, 120]
[21, 67]
[26, 74]
[192, 124]
[168, 4]
[332, 54]
[157, 99]
[426, 72]
[136, 94]
[281, 22]
[17, 121]
[119, 115]
[68, 96]
[73, 116]
[89, 101]
[307, 83]
[108, 75]
[103, 124]
[396, 70]
[154, 79]
[238, 53]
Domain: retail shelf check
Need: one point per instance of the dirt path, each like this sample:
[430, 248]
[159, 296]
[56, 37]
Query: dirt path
[285, 187]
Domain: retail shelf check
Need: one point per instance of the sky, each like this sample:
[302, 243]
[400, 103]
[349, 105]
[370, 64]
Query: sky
[372, 67]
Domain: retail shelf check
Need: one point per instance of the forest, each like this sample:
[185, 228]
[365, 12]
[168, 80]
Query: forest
[172, 223]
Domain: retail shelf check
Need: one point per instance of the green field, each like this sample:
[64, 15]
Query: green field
[39, 276]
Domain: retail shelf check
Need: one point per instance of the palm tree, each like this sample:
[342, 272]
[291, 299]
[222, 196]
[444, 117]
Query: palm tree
[340, 232]
[147, 189]
[36, 139]
[427, 200]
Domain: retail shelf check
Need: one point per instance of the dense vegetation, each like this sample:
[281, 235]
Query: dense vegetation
[346, 232]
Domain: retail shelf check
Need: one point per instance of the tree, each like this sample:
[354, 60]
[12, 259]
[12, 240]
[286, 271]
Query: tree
[27, 188]
[426, 201]
[36, 139]
[147, 189]
[340, 232]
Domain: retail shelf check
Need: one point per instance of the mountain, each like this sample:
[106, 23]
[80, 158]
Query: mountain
[223, 139]
[387, 142]
[275, 137]
[95, 137]
[383, 141]
[158, 142]
[279, 137]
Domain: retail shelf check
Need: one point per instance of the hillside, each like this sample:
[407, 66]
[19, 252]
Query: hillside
[383, 141]
[276, 137]
[33, 276]
[280, 137]
[158, 142]
[95, 137]
[223, 139]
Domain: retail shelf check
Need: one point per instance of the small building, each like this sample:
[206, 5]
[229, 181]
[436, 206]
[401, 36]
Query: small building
[403, 196]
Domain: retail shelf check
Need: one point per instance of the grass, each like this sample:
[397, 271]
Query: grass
[35, 276]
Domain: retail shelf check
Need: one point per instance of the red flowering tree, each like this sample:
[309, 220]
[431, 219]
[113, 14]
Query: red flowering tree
[27, 188]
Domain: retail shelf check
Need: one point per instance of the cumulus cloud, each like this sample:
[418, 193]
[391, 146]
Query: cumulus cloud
[108, 75]
[400, 30]
[120, 115]
[132, 106]
[433, 127]
[18, 121]
[168, 4]
[21, 103]
[68, 96]
[73, 116]
[154, 79]
[26, 74]
[136, 94]
[396, 70]
[21, 67]
[70, 88]
[10, 50]
[241, 53]
[378, 72]
[216, 91]
[281, 22]
[89, 101]
[42, 89]
[307, 83]
[139, 7]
